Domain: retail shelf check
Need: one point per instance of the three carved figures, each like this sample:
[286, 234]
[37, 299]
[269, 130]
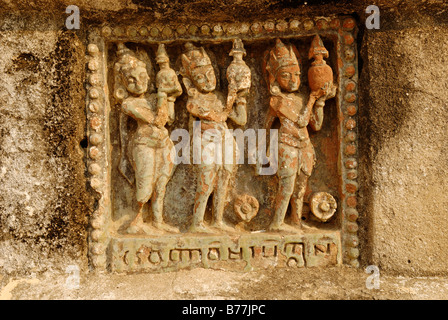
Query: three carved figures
[149, 150]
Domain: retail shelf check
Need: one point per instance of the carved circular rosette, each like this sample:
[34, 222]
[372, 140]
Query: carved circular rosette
[323, 206]
[96, 150]
[246, 207]
[348, 76]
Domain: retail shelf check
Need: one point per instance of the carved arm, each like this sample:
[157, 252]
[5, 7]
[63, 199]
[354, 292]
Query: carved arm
[304, 116]
[270, 118]
[317, 115]
[137, 112]
[272, 114]
[191, 90]
[162, 109]
[239, 113]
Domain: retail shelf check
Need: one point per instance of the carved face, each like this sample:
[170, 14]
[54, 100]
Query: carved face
[166, 79]
[136, 80]
[239, 75]
[204, 78]
[288, 78]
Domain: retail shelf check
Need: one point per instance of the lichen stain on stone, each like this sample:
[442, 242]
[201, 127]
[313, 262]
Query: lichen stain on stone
[51, 83]
[65, 126]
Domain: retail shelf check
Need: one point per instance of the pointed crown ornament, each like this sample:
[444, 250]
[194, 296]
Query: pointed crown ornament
[122, 49]
[281, 56]
[126, 60]
[194, 58]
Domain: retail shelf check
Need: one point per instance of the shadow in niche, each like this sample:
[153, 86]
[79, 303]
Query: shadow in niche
[84, 143]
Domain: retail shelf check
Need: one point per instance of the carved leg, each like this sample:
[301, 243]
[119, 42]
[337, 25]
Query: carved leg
[307, 159]
[157, 206]
[297, 199]
[219, 200]
[139, 217]
[137, 225]
[286, 188]
[144, 180]
[204, 189]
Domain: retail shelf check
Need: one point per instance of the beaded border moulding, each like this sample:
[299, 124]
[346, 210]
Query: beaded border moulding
[343, 29]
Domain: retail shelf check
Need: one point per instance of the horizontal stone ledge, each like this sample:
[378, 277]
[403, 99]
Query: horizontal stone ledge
[245, 252]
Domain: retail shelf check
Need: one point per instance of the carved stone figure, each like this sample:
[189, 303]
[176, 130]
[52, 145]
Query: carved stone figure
[239, 78]
[167, 83]
[149, 147]
[296, 112]
[212, 109]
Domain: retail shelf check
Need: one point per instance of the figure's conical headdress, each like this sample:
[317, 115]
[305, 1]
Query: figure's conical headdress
[122, 49]
[281, 56]
[126, 59]
[193, 58]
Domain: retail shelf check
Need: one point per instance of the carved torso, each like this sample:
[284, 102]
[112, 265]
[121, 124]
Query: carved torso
[209, 106]
[288, 108]
[147, 132]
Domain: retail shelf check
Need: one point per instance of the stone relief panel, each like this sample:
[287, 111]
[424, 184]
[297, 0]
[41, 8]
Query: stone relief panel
[227, 146]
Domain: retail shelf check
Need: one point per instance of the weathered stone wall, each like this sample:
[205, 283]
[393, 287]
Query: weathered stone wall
[404, 148]
[45, 201]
